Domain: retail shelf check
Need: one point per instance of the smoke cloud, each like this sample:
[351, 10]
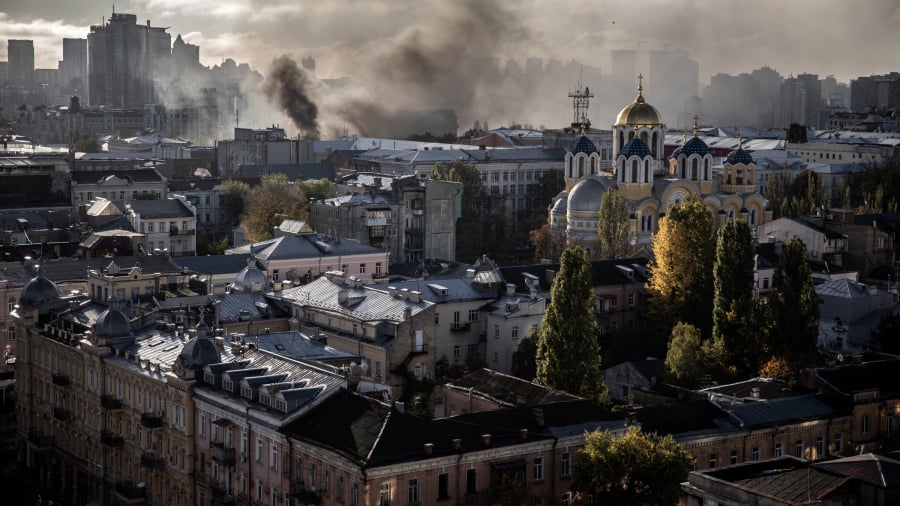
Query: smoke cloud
[288, 85]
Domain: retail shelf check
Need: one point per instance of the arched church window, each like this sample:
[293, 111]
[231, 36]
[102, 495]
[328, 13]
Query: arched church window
[569, 167]
[653, 145]
[644, 137]
[630, 136]
[646, 171]
[706, 170]
[753, 216]
[634, 171]
[694, 169]
[593, 164]
[740, 176]
[580, 166]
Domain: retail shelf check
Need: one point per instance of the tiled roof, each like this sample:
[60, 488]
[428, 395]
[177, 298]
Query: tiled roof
[296, 345]
[873, 469]
[750, 414]
[212, 264]
[304, 246]
[508, 389]
[682, 418]
[362, 303]
[159, 209]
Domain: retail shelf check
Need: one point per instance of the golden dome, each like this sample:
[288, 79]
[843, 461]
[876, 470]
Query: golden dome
[638, 113]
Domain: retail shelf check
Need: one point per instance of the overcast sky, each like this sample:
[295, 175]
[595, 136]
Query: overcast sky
[837, 37]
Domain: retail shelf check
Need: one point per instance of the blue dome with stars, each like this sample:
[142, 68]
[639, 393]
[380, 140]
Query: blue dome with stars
[695, 146]
[635, 147]
[583, 145]
[739, 156]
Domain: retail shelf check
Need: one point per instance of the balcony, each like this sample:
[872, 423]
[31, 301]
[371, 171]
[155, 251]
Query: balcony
[110, 439]
[220, 496]
[61, 380]
[223, 455]
[304, 495]
[460, 326]
[110, 402]
[128, 491]
[181, 231]
[151, 460]
[61, 414]
[151, 421]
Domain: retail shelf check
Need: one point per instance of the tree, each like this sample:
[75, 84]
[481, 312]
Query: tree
[568, 354]
[547, 243]
[680, 276]
[318, 189]
[85, 143]
[733, 300]
[636, 470]
[685, 360]
[275, 199]
[232, 197]
[524, 363]
[796, 134]
[612, 225]
[794, 307]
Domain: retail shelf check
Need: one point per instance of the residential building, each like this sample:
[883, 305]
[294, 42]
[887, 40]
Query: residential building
[74, 67]
[787, 480]
[801, 100]
[849, 312]
[20, 57]
[121, 186]
[821, 243]
[170, 224]
[292, 258]
[409, 218]
[875, 92]
[265, 146]
[509, 320]
[623, 380]
[488, 390]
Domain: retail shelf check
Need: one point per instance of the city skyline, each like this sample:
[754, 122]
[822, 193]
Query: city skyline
[343, 36]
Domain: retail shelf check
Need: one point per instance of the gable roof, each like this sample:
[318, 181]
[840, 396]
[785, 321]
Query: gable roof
[293, 246]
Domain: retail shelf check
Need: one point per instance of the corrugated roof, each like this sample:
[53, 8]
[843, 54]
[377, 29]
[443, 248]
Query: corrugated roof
[751, 414]
[369, 304]
[296, 345]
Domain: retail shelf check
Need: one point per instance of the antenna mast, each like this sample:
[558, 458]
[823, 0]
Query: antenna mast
[581, 99]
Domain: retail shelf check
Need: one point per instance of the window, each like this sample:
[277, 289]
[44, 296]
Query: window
[471, 482]
[443, 486]
[565, 465]
[243, 485]
[515, 333]
[820, 447]
[565, 499]
[799, 449]
[299, 468]
[473, 315]
[614, 301]
[273, 457]
[734, 457]
[713, 460]
[312, 476]
[340, 488]
[496, 331]
[889, 424]
[11, 334]
[864, 425]
[456, 351]
[385, 496]
[258, 489]
[258, 449]
[538, 469]
[377, 269]
[354, 493]
[630, 299]
[362, 268]
[838, 443]
[12, 305]
[778, 449]
[437, 319]
[754, 454]
[326, 479]
[414, 491]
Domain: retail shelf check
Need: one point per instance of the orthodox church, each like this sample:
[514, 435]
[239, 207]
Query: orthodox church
[650, 181]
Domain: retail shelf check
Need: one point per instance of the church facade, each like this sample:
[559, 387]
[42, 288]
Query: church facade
[650, 181]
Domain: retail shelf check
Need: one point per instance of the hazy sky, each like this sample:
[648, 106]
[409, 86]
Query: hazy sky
[836, 37]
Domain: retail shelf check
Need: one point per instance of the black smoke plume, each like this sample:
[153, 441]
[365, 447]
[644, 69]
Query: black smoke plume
[289, 87]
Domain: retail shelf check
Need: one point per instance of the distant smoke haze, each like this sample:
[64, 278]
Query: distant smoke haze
[406, 55]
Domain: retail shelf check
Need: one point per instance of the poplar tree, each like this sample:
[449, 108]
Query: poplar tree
[733, 301]
[612, 225]
[680, 275]
[568, 354]
[794, 308]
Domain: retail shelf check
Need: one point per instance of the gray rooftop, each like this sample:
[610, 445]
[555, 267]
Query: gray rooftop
[159, 209]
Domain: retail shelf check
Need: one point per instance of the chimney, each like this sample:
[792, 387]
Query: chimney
[392, 291]
[457, 442]
[429, 449]
[415, 296]
[401, 406]
[510, 289]
[470, 273]
[754, 392]
[485, 440]
[523, 434]
[538, 416]
[404, 293]
[342, 297]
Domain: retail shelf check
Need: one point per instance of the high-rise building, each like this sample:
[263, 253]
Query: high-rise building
[126, 60]
[21, 62]
[623, 75]
[74, 67]
[875, 92]
[801, 100]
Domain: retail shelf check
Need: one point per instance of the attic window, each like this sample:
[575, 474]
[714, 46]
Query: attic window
[208, 377]
[279, 347]
[247, 392]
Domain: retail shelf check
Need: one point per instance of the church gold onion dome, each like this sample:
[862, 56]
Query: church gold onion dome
[638, 113]
[37, 292]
